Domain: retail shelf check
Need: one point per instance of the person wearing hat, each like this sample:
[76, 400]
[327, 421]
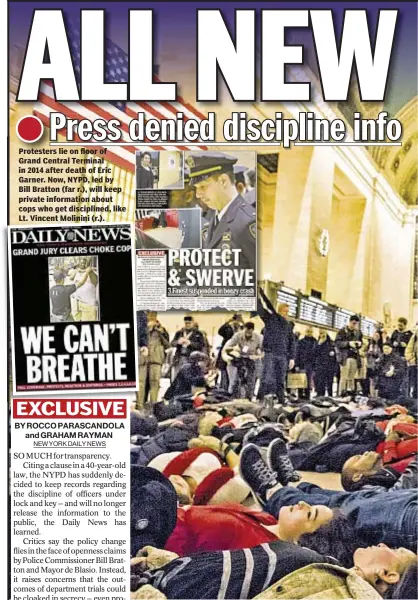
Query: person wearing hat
[233, 224]
[200, 477]
[60, 296]
[251, 194]
[153, 508]
[193, 376]
[187, 340]
[239, 174]
[391, 369]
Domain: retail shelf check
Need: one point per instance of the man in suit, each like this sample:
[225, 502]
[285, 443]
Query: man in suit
[233, 222]
[251, 181]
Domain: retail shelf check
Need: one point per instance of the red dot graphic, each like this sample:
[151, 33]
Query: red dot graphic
[29, 129]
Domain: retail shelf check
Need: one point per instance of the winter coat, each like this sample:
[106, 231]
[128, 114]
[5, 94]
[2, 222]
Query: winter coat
[342, 444]
[321, 582]
[228, 526]
[306, 432]
[197, 342]
[398, 338]
[189, 376]
[158, 342]
[325, 356]
[305, 352]
[411, 351]
[342, 344]
[383, 366]
[143, 425]
[373, 353]
[141, 328]
[278, 335]
[173, 439]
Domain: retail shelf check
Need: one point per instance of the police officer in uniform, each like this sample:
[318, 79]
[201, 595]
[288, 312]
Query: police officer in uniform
[233, 222]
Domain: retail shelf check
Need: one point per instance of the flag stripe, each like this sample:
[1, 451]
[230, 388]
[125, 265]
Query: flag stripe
[116, 71]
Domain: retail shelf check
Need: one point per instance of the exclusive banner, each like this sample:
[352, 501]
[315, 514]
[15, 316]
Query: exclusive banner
[72, 307]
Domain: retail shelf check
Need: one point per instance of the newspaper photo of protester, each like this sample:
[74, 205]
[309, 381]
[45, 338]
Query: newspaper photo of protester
[159, 170]
[168, 228]
[74, 289]
[68, 332]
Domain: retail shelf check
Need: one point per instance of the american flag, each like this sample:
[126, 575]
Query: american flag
[116, 71]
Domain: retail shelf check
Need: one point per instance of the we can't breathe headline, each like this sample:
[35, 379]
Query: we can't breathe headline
[88, 356]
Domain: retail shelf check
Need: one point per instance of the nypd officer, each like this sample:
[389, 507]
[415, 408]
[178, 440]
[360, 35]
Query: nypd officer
[233, 223]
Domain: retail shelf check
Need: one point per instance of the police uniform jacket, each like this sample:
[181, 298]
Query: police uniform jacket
[235, 230]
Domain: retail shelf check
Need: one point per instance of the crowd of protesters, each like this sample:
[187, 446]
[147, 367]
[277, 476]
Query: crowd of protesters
[248, 363]
[219, 507]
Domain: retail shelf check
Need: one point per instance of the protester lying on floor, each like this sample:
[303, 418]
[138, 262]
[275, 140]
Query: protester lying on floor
[353, 438]
[350, 438]
[175, 436]
[282, 569]
[375, 515]
[200, 476]
[369, 470]
[187, 530]
[233, 527]
[384, 569]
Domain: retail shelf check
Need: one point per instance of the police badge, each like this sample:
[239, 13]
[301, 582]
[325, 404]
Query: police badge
[226, 239]
[190, 162]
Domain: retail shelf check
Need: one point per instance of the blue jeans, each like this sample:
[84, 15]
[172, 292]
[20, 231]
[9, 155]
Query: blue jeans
[274, 375]
[377, 514]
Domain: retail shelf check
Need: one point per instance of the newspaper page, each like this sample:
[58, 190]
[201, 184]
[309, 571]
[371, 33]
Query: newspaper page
[210, 300]
[72, 307]
[196, 239]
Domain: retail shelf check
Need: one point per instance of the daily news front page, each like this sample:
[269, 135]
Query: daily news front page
[210, 293]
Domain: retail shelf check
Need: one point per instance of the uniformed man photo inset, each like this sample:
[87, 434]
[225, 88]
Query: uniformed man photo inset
[159, 170]
[233, 221]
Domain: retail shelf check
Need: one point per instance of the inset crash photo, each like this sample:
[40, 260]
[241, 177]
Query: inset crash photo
[168, 228]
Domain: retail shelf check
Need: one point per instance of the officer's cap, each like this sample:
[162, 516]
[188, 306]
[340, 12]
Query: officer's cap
[203, 165]
[239, 171]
